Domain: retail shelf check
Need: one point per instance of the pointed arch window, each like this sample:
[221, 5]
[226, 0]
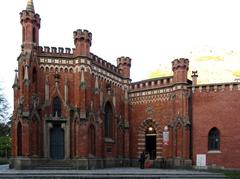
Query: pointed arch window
[56, 107]
[108, 115]
[34, 35]
[19, 139]
[92, 140]
[23, 34]
[34, 75]
[22, 72]
[213, 139]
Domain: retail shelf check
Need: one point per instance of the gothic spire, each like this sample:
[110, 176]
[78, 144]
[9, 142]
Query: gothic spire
[30, 6]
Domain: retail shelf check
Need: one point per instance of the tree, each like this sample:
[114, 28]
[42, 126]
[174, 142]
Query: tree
[5, 146]
[5, 127]
[4, 108]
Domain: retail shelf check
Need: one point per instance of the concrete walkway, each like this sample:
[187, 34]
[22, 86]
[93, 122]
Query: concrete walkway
[106, 173]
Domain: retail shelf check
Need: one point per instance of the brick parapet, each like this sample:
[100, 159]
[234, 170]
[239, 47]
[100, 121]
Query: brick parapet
[55, 51]
[217, 87]
[103, 63]
[151, 95]
[151, 83]
[60, 52]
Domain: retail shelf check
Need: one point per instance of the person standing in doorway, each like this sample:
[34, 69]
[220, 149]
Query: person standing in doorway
[142, 160]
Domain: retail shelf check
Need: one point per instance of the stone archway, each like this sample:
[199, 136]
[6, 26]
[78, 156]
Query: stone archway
[142, 136]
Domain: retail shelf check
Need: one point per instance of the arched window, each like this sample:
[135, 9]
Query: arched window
[213, 139]
[56, 106]
[108, 115]
[34, 35]
[34, 75]
[23, 34]
[19, 139]
[23, 72]
[92, 140]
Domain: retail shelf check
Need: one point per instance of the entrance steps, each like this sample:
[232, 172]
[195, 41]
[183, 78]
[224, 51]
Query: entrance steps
[55, 165]
[114, 173]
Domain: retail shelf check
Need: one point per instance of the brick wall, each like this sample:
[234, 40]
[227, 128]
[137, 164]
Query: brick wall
[221, 110]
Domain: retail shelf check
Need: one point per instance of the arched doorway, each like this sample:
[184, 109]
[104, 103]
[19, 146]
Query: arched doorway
[150, 142]
[150, 138]
[57, 142]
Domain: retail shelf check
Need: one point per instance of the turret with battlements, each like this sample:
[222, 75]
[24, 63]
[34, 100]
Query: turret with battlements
[83, 42]
[180, 70]
[30, 26]
[124, 65]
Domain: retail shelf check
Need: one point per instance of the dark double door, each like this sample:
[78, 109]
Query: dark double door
[57, 142]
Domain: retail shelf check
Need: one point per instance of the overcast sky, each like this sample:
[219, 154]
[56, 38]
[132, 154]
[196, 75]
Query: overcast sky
[151, 32]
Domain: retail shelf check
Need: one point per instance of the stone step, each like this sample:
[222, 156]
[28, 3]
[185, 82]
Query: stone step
[111, 175]
[107, 173]
[55, 165]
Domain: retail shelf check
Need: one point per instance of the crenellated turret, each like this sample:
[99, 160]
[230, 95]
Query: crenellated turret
[30, 26]
[83, 42]
[180, 70]
[124, 65]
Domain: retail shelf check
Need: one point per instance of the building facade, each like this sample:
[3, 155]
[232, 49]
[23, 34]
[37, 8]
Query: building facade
[73, 108]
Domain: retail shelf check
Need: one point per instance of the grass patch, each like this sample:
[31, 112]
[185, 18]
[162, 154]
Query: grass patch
[232, 174]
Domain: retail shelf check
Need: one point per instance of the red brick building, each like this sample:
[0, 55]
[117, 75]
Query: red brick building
[73, 108]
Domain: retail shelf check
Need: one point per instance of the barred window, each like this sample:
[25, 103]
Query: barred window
[213, 139]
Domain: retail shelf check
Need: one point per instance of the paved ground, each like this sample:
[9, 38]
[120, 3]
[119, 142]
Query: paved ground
[5, 172]
[5, 169]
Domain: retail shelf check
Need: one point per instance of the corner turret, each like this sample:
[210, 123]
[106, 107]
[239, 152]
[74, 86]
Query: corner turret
[180, 70]
[124, 65]
[30, 26]
[83, 42]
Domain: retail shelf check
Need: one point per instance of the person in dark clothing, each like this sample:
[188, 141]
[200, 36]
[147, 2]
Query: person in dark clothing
[142, 160]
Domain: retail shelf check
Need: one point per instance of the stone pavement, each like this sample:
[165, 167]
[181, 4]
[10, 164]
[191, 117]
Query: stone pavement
[115, 173]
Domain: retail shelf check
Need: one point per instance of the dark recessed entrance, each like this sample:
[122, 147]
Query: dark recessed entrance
[150, 143]
[57, 142]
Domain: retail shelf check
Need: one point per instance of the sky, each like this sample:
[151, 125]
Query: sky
[151, 32]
